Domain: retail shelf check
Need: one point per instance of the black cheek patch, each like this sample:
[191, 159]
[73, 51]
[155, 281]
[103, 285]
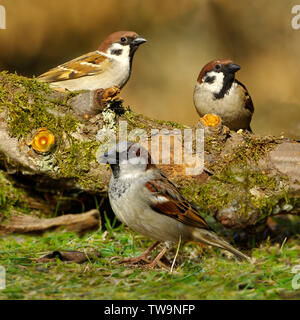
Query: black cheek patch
[117, 52]
[210, 79]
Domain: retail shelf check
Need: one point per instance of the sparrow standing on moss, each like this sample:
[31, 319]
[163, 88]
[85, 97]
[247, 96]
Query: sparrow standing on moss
[150, 204]
[218, 92]
[109, 66]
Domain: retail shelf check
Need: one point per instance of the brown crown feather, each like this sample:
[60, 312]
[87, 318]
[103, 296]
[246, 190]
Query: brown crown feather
[210, 66]
[114, 37]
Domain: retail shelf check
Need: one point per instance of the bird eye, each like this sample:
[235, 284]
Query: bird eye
[123, 39]
[217, 66]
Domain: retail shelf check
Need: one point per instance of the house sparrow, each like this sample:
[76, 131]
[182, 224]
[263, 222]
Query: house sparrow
[218, 92]
[106, 67]
[143, 198]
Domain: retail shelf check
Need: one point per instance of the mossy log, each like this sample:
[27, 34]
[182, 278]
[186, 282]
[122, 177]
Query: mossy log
[247, 178]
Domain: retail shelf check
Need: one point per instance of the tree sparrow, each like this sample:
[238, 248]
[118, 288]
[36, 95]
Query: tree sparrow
[106, 67]
[144, 199]
[218, 92]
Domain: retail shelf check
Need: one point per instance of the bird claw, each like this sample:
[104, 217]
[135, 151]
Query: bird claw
[111, 94]
[136, 260]
[142, 257]
[106, 96]
[149, 265]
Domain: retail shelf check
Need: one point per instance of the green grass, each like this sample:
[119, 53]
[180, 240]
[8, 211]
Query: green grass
[198, 274]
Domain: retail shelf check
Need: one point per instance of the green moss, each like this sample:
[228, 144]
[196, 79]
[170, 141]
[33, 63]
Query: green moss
[247, 189]
[172, 124]
[136, 120]
[75, 159]
[238, 181]
[253, 148]
[10, 196]
[28, 107]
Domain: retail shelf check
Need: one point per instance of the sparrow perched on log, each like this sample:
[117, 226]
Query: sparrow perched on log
[143, 198]
[218, 92]
[109, 66]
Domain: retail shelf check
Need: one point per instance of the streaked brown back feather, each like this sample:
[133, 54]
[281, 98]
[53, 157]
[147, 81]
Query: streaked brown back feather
[177, 207]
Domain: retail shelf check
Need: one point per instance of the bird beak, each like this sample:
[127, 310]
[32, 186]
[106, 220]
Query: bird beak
[233, 68]
[107, 157]
[138, 41]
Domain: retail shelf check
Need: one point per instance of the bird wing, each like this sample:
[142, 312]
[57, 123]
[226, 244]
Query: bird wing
[86, 65]
[248, 101]
[167, 200]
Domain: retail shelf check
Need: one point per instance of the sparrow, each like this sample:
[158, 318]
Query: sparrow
[145, 200]
[109, 66]
[218, 92]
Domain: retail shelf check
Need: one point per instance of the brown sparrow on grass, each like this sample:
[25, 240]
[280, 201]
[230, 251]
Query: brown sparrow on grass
[218, 92]
[146, 201]
[109, 66]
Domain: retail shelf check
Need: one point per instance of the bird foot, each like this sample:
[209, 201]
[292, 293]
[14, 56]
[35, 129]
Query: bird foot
[111, 94]
[157, 261]
[142, 257]
[107, 96]
[136, 260]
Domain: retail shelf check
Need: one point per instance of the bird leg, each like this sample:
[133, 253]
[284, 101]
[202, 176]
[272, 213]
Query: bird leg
[142, 257]
[157, 259]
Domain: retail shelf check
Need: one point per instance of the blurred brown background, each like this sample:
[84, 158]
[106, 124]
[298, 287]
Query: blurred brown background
[183, 35]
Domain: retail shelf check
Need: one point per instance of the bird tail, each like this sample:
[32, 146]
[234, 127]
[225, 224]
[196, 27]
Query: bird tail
[211, 238]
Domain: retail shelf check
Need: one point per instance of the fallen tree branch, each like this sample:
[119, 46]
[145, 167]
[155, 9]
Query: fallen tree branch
[247, 178]
[72, 222]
